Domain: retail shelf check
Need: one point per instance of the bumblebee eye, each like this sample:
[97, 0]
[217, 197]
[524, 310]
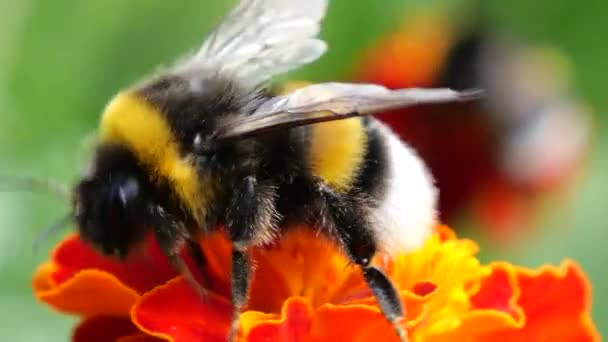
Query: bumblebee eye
[128, 191]
[201, 145]
[197, 142]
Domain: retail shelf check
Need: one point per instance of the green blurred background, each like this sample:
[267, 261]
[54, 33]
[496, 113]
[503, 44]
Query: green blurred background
[61, 60]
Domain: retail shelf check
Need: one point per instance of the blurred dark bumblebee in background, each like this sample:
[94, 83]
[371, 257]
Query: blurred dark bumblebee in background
[495, 160]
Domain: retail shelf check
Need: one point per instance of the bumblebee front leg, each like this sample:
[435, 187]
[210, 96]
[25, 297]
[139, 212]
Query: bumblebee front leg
[171, 237]
[353, 230]
[250, 220]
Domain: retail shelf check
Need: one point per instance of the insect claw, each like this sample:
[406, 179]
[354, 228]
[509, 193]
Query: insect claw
[471, 95]
[400, 330]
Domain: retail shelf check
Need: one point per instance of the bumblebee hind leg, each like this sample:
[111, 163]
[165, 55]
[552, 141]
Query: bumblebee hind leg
[352, 229]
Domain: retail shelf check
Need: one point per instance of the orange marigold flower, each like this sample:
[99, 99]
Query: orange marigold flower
[305, 290]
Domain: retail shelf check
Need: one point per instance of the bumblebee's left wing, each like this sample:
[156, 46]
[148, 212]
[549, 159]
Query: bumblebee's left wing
[333, 101]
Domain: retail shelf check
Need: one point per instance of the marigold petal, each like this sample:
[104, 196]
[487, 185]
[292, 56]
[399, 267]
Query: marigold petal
[357, 323]
[493, 308]
[556, 302]
[477, 326]
[303, 264]
[218, 255]
[295, 324]
[261, 298]
[42, 280]
[552, 304]
[499, 291]
[103, 329]
[139, 337]
[89, 293]
[142, 270]
[175, 312]
[250, 319]
[299, 321]
[445, 233]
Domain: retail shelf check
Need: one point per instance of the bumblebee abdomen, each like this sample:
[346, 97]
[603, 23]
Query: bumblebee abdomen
[337, 151]
[365, 160]
[394, 176]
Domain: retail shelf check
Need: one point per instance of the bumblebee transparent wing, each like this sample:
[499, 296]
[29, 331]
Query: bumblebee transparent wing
[334, 101]
[263, 38]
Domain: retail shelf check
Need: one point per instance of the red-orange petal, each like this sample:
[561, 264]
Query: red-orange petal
[554, 301]
[103, 329]
[300, 322]
[142, 270]
[356, 323]
[88, 293]
[493, 308]
[218, 255]
[499, 291]
[175, 312]
[139, 337]
[295, 324]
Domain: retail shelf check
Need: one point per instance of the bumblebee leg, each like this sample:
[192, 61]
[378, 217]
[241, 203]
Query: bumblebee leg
[387, 297]
[171, 237]
[195, 252]
[249, 220]
[353, 231]
[241, 279]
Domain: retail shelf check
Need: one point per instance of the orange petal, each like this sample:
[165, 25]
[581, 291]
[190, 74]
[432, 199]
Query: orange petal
[357, 323]
[175, 312]
[300, 322]
[103, 329]
[556, 302]
[218, 255]
[445, 233]
[478, 326]
[493, 308]
[42, 280]
[141, 271]
[294, 325]
[499, 291]
[88, 293]
[303, 264]
[261, 298]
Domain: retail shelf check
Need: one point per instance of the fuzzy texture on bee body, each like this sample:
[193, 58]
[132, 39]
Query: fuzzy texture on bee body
[207, 144]
[160, 126]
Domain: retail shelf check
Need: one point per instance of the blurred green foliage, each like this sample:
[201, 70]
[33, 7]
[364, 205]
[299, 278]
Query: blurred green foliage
[61, 60]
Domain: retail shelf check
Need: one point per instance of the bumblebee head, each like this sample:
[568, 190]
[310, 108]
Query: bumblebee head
[141, 128]
[112, 201]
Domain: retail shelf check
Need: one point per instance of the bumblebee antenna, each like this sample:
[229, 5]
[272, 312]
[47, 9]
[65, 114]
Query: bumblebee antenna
[50, 230]
[31, 184]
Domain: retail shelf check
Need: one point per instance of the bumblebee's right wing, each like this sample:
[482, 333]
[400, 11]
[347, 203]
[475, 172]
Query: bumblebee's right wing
[334, 101]
[263, 38]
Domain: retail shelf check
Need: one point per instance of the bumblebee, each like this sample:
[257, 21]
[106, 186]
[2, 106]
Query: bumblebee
[208, 143]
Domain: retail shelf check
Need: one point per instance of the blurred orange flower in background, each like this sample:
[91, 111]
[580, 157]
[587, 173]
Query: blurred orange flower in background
[305, 290]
